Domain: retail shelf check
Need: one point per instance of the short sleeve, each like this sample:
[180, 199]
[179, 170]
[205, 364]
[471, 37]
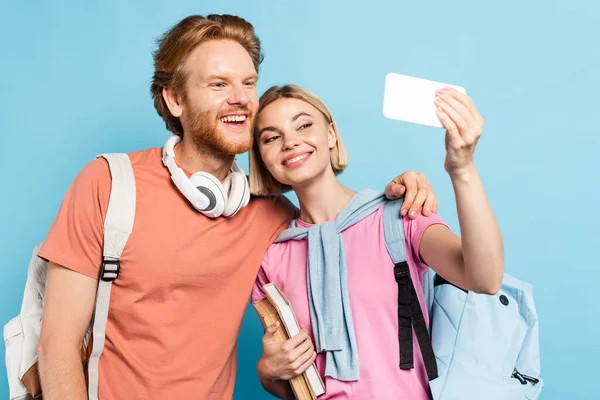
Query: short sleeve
[414, 230]
[75, 238]
[278, 213]
[262, 279]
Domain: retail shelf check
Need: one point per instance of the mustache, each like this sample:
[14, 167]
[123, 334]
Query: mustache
[236, 110]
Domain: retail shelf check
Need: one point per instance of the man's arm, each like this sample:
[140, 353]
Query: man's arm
[69, 305]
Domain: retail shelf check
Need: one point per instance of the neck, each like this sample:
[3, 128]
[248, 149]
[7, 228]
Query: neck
[194, 158]
[322, 199]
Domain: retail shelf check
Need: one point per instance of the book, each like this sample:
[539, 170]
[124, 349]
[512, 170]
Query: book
[276, 307]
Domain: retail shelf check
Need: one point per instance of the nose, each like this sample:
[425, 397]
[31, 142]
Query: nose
[239, 96]
[290, 141]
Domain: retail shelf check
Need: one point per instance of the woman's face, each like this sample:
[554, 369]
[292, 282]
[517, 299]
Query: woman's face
[295, 140]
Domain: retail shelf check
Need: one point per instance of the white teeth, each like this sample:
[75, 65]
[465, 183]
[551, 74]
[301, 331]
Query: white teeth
[234, 118]
[291, 160]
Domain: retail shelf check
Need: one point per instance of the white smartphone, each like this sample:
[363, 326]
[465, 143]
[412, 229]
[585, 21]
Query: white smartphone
[411, 99]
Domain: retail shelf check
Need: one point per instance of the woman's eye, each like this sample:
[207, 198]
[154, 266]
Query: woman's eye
[270, 139]
[304, 126]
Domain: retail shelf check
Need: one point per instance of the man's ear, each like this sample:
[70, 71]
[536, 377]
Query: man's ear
[173, 100]
[331, 135]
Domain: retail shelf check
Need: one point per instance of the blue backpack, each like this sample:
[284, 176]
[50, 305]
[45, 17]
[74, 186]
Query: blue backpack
[482, 346]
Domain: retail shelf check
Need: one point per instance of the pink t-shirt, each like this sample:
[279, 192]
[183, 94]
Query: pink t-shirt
[373, 299]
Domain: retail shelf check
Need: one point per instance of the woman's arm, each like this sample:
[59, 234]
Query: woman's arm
[281, 362]
[475, 262]
[277, 388]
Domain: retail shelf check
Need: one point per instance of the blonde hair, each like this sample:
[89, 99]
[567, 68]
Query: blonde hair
[262, 183]
[177, 43]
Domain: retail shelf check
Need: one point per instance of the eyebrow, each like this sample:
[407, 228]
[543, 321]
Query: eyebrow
[273, 129]
[268, 128]
[216, 77]
[223, 78]
[300, 114]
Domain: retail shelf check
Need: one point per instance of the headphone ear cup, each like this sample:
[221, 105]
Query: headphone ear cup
[238, 193]
[212, 188]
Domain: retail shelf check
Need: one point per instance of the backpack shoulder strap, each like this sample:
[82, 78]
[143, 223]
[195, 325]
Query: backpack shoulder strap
[410, 315]
[121, 206]
[118, 225]
[393, 231]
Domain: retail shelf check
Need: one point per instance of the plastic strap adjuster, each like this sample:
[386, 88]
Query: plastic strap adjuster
[110, 270]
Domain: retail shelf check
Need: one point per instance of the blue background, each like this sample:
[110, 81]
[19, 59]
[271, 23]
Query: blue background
[75, 77]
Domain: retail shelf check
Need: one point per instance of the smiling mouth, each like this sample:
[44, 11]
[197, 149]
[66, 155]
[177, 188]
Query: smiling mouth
[234, 119]
[297, 159]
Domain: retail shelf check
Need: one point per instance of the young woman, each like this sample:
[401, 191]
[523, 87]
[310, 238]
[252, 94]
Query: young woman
[297, 146]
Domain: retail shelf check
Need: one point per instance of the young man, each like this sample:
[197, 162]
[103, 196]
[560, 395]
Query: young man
[177, 305]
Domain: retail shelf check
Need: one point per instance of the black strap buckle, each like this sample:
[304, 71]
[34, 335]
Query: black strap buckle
[402, 273]
[110, 270]
[524, 378]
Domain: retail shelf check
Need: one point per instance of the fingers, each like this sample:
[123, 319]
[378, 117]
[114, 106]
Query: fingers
[297, 355]
[394, 190]
[447, 104]
[409, 199]
[417, 191]
[300, 359]
[268, 336]
[398, 188]
[471, 124]
[423, 192]
[312, 355]
[300, 349]
[457, 106]
[466, 101]
[418, 203]
[429, 203]
[289, 345]
[453, 138]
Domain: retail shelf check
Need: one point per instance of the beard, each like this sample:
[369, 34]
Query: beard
[206, 135]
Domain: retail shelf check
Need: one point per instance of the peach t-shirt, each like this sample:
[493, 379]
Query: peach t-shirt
[177, 305]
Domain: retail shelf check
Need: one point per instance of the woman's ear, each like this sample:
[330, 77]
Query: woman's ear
[331, 135]
[173, 101]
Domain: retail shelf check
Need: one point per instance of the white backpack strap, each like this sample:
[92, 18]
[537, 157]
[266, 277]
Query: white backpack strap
[117, 228]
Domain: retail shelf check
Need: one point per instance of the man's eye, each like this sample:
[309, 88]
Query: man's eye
[218, 84]
[251, 83]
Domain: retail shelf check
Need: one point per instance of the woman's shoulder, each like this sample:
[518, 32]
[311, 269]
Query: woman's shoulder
[279, 253]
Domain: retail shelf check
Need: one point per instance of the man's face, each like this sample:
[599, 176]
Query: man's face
[220, 97]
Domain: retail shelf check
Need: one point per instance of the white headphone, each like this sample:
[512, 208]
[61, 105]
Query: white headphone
[206, 193]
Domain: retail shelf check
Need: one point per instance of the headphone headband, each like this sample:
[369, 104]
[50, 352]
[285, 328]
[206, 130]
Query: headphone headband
[206, 193]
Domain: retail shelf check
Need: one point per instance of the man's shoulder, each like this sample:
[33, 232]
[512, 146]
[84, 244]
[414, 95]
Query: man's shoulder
[95, 170]
[275, 205]
[151, 156]
[96, 173]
